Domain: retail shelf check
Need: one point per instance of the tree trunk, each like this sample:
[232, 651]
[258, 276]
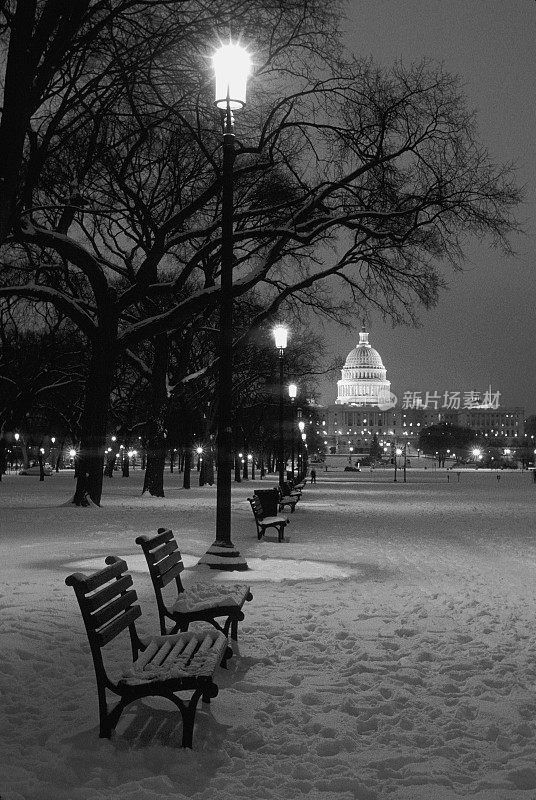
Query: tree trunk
[2, 457]
[110, 464]
[58, 457]
[95, 412]
[156, 431]
[153, 481]
[237, 477]
[24, 453]
[186, 481]
[41, 467]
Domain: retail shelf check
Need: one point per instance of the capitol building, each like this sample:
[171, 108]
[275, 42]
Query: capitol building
[364, 378]
[366, 409]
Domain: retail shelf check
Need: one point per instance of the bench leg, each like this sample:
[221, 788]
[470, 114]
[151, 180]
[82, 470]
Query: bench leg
[188, 710]
[234, 629]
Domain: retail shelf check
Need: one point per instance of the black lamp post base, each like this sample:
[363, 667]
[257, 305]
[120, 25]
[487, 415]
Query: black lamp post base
[223, 556]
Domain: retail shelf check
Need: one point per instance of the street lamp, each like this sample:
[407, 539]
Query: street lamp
[17, 437]
[231, 68]
[398, 452]
[292, 393]
[281, 338]
[301, 428]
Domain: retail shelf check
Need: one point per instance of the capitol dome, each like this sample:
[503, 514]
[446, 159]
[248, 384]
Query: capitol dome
[363, 379]
[363, 355]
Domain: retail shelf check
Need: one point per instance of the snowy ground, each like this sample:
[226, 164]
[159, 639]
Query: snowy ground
[389, 651]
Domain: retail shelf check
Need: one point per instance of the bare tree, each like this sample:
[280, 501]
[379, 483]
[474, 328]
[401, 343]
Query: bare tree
[345, 175]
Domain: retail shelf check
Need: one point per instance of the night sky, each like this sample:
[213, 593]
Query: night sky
[484, 328]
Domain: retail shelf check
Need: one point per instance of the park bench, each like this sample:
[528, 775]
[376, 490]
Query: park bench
[296, 485]
[200, 602]
[291, 491]
[264, 521]
[160, 665]
[286, 500]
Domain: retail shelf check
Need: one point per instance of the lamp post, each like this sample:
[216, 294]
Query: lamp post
[292, 392]
[237, 462]
[231, 68]
[17, 437]
[281, 337]
[301, 427]
[398, 452]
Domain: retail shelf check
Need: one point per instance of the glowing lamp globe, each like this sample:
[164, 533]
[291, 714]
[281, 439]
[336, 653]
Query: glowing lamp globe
[232, 65]
[292, 391]
[280, 336]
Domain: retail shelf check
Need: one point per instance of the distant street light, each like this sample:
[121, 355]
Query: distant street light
[281, 339]
[301, 428]
[398, 452]
[292, 393]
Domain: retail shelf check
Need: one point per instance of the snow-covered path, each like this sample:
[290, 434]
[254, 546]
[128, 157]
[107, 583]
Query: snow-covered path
[409, 673]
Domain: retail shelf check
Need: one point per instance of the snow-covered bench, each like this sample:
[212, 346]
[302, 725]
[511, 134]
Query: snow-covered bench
[198, 602]
[160, 665]
[264, 521]
[285, 500]
[291, 489]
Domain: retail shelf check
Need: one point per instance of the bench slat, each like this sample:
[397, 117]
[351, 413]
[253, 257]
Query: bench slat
[92, 582]
[168, 562]
[111, 610]
[103, 596]
[110, 631]
[170, 574]
[161, 552]
[164, 535]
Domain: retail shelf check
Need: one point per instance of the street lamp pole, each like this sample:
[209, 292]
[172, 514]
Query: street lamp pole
[292, 392]
[281, 336]
[398, 452]
[231, 66]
